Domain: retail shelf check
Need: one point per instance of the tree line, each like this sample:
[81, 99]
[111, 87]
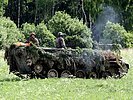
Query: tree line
[35, 11]
[78, 19]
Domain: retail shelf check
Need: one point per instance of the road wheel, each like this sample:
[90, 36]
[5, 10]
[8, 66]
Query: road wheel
[80, 74]
[38, 68]
[106, 74]
[65, 74]
[52, 73]
[92, 75]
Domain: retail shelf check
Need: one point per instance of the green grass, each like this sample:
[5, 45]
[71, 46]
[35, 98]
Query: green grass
[13, 88]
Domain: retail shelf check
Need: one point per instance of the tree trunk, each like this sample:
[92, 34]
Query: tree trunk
[83, 11]
[90, 21]
[36, 10]
[90, 18]
[53, 8]
[18, 13]
[2, 4]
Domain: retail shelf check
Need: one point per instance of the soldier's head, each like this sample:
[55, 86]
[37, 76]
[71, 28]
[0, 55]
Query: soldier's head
[32, 34]
[60, 34]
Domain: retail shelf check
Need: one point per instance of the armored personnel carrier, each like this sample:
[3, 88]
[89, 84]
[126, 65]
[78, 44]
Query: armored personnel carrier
[40, 62]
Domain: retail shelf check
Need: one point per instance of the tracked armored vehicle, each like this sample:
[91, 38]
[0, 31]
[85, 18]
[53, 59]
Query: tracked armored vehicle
[40, 62]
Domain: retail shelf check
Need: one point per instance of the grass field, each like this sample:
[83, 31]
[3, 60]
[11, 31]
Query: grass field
[13, 88]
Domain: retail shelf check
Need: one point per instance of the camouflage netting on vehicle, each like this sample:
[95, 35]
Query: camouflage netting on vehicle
[54, 62]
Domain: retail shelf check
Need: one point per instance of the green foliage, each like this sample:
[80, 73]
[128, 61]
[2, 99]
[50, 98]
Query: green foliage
[129, 39]
[1, 9]
[8, 32]
[46, 7]
[76, 31]
[115, 34]
[125, 8]
[45, 36]
[59, 22]
[93, 8]
[35, 11]
[74, 41]
[27, 28]
[3, 4]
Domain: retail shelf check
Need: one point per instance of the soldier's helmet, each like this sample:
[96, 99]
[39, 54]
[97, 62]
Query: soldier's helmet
[61, 34]
[32, 33]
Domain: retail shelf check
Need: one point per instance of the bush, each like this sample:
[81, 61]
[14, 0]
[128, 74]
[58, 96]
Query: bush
[46, 38]
[129, 39]
[9, 32]
[115, 34]
[27, 28]
[59, 22]
[74, 41]
[76, 31]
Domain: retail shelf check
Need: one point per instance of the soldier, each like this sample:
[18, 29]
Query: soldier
[60, 43]
[33, 39]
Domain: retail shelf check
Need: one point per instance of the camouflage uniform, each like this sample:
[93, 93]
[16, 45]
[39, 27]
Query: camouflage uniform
[33, 39]
[60, 43]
